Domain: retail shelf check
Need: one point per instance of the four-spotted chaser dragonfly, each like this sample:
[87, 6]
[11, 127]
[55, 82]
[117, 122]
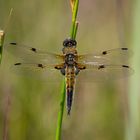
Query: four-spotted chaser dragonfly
[98, 66]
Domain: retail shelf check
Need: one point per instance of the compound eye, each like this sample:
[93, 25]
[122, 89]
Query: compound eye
[65, 42]
[74, 42]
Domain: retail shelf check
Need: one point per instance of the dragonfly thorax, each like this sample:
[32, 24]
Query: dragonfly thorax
[70, 59]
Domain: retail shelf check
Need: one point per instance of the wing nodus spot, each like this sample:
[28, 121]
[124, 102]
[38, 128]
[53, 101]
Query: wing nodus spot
[40, 65]
[101, 66]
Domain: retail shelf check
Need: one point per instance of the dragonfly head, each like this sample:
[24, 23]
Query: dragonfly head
[69, 42]
[69, 46]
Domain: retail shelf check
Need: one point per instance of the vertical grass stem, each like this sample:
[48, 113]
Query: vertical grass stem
[73, 32]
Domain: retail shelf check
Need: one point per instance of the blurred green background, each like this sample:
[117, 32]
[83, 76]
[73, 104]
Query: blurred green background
[101, 111]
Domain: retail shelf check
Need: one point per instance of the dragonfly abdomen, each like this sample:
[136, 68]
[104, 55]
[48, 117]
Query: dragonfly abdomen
[70, 82]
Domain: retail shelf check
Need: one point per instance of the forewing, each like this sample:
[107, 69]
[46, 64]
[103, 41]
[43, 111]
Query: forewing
[32, 54]
[112, 56]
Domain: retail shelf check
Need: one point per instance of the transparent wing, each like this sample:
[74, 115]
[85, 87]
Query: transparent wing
[112, 56]
[33, 54]
[38, 71]
[102, 72]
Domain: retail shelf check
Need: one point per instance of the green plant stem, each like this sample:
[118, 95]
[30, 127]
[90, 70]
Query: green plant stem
[75, 30]
[74, 22]
[133, 125]
[73, 33]
[60, 114]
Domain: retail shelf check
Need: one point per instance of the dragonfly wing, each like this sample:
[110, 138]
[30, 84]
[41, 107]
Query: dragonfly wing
[33, 54]
[112, 56]
[38, 71]
[102, 72]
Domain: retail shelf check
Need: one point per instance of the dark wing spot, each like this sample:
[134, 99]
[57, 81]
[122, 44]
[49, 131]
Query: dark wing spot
[13, 43]
[17, 64]
[57, 67]
[33, 49]
[84, 67]
[40, 65]
[104, 52]
[101, 66]
[125, 66]
[124, 48]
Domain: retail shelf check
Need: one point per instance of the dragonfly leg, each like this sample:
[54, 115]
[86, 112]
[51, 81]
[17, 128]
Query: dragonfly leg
[77, 71]
[62, 71]
[61, 68]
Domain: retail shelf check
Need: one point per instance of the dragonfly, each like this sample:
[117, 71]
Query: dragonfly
[103, 65]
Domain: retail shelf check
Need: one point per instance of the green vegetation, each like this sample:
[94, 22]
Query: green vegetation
[133, 124]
